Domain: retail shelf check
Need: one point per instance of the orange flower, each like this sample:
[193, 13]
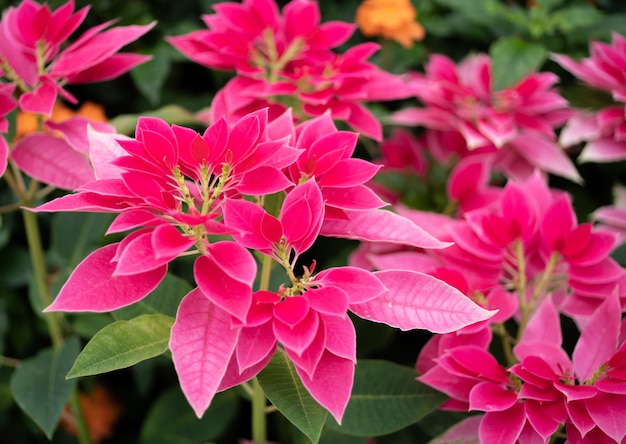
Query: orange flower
[27, 122]
[391, 19]
[101, 412]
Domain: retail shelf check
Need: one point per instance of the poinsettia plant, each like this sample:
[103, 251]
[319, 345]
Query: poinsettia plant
[328, 239]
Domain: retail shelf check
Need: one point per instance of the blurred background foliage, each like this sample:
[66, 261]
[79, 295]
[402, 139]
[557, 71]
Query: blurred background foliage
[143, 403]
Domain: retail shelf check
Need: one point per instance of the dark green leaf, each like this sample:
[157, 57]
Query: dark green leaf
[385, 398]
[172, 421]
[162, 300]
[15, 266]
[75, 235]
[122, 344]
[39, 386]
[513, 58]
[285, 390]
[150, 77]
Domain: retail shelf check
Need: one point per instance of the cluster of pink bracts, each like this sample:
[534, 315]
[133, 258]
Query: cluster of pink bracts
[512, 253]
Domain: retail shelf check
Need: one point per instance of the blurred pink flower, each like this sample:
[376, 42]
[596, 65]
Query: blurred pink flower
[279, 58]
[604, 131]
[31, 37]
[515, 125]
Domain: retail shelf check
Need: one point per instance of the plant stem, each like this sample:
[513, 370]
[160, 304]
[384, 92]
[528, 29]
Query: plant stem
[41, 274]
[259, 427]
[82, 432]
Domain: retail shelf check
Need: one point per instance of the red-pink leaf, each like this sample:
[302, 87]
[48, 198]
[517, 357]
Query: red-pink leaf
[93, 287]
[202, 343]
[417, 300]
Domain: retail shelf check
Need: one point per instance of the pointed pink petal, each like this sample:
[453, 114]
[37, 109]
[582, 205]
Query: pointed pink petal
[546, 155]
[218, 281]
[491, 397]
[168, 242]
[609, 411]
[331, 384]
[598, 340]
[254, 344]
[248, 218]
[299, 336]
[360, 285]
[139, 256]
[340, 336]
[417, 300]
[544, 325]
[603, 150]
[41, 99]
[380, 226]
[93, 287]
[202, 343]
[503, 427]
[328, 300]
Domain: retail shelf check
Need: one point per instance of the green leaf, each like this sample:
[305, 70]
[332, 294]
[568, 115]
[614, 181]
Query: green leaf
[385, 398]
[172, 421]
[164, 299]
[512, 58]
[86, 231]
[150, 77]
[126, 123]
[122, 344]
[39, 386]
[285, 390]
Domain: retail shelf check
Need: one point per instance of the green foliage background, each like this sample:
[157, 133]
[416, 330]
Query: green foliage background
[519, 38]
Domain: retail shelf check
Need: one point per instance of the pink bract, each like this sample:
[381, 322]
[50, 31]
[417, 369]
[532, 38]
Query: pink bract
[31, 36]
[281, 57]
[516, 125]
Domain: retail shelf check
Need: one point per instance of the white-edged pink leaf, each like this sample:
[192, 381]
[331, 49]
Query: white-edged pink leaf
[380, 226]
[52, 160]
[93, 287]
[416, 300]
[599, 339]
[202, 343]
[103, 150]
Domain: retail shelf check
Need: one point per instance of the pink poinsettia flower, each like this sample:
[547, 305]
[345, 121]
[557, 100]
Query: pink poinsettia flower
[253, 36]
[171, 183]
[612, 218]
[604, 69]
[175, 188]
[516, 125]
[602, 131]
[31, 49]
[279, 58]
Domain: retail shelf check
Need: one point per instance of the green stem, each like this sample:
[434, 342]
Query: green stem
[41, 275]
[266, 268]
[82, 432]
[259, 404]
[259, 427]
